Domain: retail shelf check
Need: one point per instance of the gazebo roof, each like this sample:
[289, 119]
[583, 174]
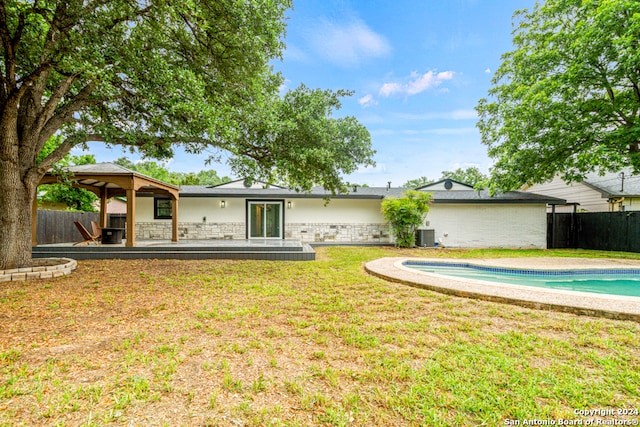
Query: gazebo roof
[115, 178]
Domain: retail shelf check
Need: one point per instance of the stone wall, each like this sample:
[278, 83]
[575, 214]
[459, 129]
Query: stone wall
[43, 268]
[191, 230]
[306, 232]
[338, 233]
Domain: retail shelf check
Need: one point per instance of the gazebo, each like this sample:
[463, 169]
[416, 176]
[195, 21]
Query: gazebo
[108, 180]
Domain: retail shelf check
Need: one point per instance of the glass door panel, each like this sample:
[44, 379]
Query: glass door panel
[256, 216]
[272, 220]
[265, 220]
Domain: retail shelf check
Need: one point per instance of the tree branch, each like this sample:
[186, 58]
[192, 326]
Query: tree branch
[9, 53]
[65, 113]
[55, 98]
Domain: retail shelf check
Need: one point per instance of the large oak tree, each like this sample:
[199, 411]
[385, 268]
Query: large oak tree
[566, 100]
[150, 74]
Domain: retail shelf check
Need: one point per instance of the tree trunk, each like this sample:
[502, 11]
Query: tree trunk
[15, 220]
[16, 197]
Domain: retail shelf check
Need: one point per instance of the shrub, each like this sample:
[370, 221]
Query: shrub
[405, 215]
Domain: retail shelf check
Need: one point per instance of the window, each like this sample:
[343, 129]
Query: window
[161, 208]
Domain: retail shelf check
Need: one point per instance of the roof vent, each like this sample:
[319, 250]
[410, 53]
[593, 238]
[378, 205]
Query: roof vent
[448, 185]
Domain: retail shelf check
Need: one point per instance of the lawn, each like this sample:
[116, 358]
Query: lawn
[260, 343]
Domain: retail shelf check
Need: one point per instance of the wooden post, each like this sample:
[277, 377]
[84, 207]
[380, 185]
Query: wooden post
[174, 219]
[131, 218]
[103, 207]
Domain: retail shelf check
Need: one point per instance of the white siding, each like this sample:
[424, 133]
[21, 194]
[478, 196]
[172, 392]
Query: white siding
[339, 211]
[194, 209]
[489, 225]
[631, 204]
[342, 220]
[342, 211]
[348, 220]
[590, 200]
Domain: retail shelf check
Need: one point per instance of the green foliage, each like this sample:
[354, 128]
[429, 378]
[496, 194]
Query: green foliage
[158, 171]
[77, 199]
[151, 75]
[471, 176]
[417, 183]
[566, 99]
[74, 198]
[405, 215]
[191, 73]
[295, 141]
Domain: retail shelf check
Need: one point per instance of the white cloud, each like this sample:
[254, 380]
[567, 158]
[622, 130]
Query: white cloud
[415, 83]
[349, 44]
[367, 101]
[389, 89]
[488, 70]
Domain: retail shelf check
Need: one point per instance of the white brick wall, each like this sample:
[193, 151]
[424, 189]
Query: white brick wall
[489, 225]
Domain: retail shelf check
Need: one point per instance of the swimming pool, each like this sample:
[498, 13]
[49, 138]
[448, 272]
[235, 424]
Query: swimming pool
[623, 281]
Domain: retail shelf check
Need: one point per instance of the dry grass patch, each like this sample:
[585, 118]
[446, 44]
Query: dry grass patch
[257, 343]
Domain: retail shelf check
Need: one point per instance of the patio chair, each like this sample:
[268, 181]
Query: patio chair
[88, 237]
[96, 230]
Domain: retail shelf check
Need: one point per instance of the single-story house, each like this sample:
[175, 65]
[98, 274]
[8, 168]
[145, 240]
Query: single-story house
[459, 215]
[611, 192]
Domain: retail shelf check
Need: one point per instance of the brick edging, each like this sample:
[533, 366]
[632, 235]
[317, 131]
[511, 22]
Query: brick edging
[47, 268]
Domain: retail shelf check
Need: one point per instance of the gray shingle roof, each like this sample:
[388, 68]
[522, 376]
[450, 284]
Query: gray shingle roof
[612, 184]
[483, 196]
[463, 196]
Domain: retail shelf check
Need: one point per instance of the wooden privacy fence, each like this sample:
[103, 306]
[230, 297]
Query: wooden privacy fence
[58, 227]
[608, 231]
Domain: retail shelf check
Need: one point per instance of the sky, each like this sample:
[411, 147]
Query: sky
[417, 69]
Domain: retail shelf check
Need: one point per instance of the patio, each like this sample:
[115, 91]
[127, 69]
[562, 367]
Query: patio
[263, 249]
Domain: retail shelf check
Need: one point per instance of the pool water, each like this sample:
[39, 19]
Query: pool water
[611, 281]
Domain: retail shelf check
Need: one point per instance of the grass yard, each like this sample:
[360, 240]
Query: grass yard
[258, 343]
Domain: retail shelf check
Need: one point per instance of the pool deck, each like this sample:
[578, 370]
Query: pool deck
[590, 304]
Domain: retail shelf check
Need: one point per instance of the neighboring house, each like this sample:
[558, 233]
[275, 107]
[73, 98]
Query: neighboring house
[612, 192]
[117, 205]
[459, 215]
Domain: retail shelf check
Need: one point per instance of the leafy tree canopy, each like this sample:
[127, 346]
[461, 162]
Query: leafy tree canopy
[417, 183]
[471, 176]
[158, 171]
[74, 198]
[150, 74]
[567, 99]
[295, 141]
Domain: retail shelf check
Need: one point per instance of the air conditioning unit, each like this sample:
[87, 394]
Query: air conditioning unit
[425, 238]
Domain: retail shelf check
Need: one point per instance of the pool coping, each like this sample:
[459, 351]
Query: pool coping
[583, 303]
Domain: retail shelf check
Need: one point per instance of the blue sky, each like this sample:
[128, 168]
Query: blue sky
[417, 69]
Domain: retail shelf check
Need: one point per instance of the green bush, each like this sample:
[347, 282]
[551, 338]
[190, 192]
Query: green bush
[405, 215]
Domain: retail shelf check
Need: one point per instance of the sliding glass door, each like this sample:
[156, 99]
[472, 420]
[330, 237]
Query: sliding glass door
[265, 220]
